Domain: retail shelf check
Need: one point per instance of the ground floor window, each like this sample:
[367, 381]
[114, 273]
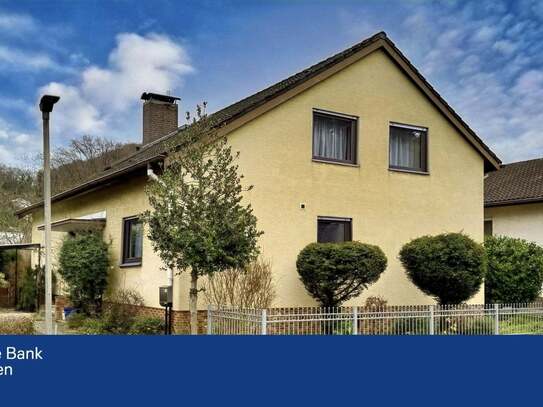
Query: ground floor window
[488, 227]
[132, 240]
[334, 230]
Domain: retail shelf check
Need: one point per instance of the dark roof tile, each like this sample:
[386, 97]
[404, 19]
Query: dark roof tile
[515, 183]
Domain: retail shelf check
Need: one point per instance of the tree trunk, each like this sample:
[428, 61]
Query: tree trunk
[193, 302]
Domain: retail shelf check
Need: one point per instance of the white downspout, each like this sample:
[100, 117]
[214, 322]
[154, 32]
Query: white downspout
[151, 174]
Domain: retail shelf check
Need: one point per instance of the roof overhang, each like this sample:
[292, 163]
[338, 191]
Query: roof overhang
[94, 184]
[76, 225]
[20, 246]
[511, 202]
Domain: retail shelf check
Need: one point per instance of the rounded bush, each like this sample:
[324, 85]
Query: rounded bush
[334, 272]
[515, 270]
[449, 267]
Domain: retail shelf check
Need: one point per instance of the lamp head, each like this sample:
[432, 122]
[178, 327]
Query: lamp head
[47, 102]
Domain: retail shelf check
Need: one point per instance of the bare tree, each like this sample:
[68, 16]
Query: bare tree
[250, 287]
[82, 158]
[17, 189]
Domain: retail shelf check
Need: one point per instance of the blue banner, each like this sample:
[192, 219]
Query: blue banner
[208, 370]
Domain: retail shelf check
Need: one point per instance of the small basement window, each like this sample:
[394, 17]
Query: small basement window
[408, 147]
[132, 240]
[334, 230]
[334, 138]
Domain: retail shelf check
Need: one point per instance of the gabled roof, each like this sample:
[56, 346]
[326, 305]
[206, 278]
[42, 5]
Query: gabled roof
[515, 183]
[288, 88]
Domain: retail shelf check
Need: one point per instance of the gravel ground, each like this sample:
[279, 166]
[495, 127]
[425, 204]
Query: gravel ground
[39, 322]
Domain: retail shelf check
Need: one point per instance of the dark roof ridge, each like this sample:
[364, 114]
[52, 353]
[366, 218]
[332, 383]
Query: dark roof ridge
[521, 161]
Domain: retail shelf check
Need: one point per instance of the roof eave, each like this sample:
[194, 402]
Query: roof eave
[511, 202]
[95, 183]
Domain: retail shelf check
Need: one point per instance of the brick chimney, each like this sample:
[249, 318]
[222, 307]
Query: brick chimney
[159, 116]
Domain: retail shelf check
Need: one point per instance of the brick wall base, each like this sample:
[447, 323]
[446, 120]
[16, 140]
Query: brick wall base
[180, 319]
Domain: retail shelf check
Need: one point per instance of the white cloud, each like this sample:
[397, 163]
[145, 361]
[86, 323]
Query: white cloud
[505, 47]
[17, 59]
[16, 24]
[17, 147]
[106, 99]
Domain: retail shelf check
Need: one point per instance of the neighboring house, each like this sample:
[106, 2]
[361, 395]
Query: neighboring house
[358, 146]
[514, 201]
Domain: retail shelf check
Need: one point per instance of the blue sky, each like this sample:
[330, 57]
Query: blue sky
[484, 57]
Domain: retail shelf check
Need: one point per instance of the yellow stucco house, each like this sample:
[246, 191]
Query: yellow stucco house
[514, 201]
[358, 146]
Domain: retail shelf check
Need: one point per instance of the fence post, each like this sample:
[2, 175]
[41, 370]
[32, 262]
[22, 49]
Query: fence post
[264, 322]
[496, 319]
[432, 319]
[209, 321]
[355, 320]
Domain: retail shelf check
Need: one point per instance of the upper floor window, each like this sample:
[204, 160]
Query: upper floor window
[132, 240]
[334, 137]
[334, 230]
[408, 147]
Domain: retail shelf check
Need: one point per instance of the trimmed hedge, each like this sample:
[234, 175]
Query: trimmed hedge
[449, 267]
[515, 270]
[335, 272]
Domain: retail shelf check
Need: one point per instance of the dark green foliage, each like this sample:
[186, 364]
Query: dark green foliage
[93, 326]
[33, 282]
[147, 326]
[198, 220]
[76, 320]
[515, 270]
[449, 267]
[334, 272]
[84, 265]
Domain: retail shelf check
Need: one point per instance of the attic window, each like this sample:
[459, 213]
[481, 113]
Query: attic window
[408, 147]
[334, 137]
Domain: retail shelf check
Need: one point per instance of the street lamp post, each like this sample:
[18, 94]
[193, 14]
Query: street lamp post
[46, 107]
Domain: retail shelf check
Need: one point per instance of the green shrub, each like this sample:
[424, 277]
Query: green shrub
[121, 310]
[28, 292]
[334, 272]
[450, 267]
[84, 265]
[147, 326]
[16, 325]
[515, 270]
[93, 326]
[76, 320]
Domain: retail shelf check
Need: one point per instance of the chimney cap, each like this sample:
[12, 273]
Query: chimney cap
[159, 97]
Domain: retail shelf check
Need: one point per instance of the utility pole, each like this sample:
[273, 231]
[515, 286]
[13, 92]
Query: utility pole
[46, 107]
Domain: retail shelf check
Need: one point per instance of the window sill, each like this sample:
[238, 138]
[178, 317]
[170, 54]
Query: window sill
[134, 264]
[409, 171]
[317, 160]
